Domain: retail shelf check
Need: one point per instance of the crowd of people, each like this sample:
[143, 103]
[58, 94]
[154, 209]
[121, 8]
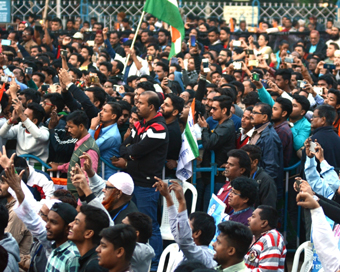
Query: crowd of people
[79, 94]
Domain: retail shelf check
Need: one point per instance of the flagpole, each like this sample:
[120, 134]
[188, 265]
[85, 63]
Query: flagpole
[134, 40]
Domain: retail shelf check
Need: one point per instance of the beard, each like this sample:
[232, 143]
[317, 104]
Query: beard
[335, 37]
[109, 203]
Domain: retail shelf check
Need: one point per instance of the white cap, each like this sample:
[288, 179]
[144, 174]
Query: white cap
[123, 182]
[78, 35]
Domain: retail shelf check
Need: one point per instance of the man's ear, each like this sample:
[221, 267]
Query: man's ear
[196, 234]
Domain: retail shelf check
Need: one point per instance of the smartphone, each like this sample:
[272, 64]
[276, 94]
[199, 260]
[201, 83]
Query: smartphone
[114, 158]
[185, 62]
[192, 41]
[256, 76]
[6, 42]
[253, 63]
[329, 66]
[64, 53]
[249, 52]
[237, 43]
[205, 63]
[301, 84]
[94, 79]
[53, 88]
[312, 146]
[318, 90]
[174, 61]
[4, 79]
[90, 43]
[170, 83]
[29, 71]
[264, 83]
[149, 58]
[237, 65]
[298, 182]
[289, 60]
[44, 87]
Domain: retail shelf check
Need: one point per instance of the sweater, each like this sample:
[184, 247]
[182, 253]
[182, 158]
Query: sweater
[31, 139]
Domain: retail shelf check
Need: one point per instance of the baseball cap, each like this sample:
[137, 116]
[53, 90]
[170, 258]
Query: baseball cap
[78, 35]
[65, 211]
[123, 182]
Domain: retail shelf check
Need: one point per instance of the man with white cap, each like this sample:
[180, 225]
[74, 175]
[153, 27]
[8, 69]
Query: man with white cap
[78, 37]
[117, 191]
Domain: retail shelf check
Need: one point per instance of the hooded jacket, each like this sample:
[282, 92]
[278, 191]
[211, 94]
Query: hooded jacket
[146, 149]
[9, 243]
[141, 258]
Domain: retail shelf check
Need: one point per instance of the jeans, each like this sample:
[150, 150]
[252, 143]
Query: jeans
[146, 200]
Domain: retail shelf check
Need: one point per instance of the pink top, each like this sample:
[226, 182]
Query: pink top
[93, 155]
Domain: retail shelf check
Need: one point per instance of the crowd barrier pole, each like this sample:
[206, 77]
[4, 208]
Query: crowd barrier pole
[285, 221]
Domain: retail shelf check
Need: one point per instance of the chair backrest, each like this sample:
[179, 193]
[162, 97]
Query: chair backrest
[165, 226]
[308, 257]
[173, 251]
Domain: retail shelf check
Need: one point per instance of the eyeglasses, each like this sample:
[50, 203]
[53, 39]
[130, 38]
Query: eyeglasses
[107, 86]
[234, 193]
[43, 103]
[255, 112]
[109, 187]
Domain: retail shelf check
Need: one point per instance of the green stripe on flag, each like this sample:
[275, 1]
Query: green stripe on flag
[191, 141]
[167, 12]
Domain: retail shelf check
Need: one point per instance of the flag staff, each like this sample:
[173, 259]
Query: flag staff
[134, 40]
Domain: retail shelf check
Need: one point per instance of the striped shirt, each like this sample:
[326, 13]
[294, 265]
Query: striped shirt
[267, 254]
[63, 258]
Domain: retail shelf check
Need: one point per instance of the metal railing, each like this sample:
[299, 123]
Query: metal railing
[106, 11]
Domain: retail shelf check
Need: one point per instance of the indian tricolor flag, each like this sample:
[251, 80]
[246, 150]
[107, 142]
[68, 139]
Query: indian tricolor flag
[167, 11]
[189, 150]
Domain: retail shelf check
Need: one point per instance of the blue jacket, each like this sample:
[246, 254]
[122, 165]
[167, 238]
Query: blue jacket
[272, 156]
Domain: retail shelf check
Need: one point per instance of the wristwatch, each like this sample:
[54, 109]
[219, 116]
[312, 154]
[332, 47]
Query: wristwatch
[68, 86]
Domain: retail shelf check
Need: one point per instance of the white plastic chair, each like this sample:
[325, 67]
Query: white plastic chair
[165, 226]
[308, 257]
[173, 251]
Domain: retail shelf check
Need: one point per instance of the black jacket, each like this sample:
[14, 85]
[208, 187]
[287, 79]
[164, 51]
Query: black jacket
[321, 48]
[89, 262]
[146, 149]
[267, 188]
[221, 140]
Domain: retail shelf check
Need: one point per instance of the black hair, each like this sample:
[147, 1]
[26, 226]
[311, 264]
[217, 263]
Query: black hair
[49, 70]
[38, 111]
[239, 86]
[30, 30]
[89, 49]
[116, 109]
[95, 219]
[303, 101]
[40, 75]
[107, 64]
[199, 107]
[226, 29]
[206, 224]
[66, 197]
[153, 45]
[214, 29]
[163, 65]
[224, 101]
[329, 80]
[78, 117]
[76, 71]
[121, 236]
[57, 20]
[328, 112]
[98, 95]
[189, 266]
[120, 66]
[269, 214]
[336, 46]
[146, 86]
[298, 75]
[125, 105]
[177, 102]
[166, 32]
[251, 98]
[4, 101]
[265, 36]
[285, 73]
[248, 188]
[38, 47]
[286, 105]
[255, 152]
[56, 99]
[336, 93]
[3, 219]
[243, 160]
[265, 109]
[143, 224]
[238, 236]
[79, 57]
